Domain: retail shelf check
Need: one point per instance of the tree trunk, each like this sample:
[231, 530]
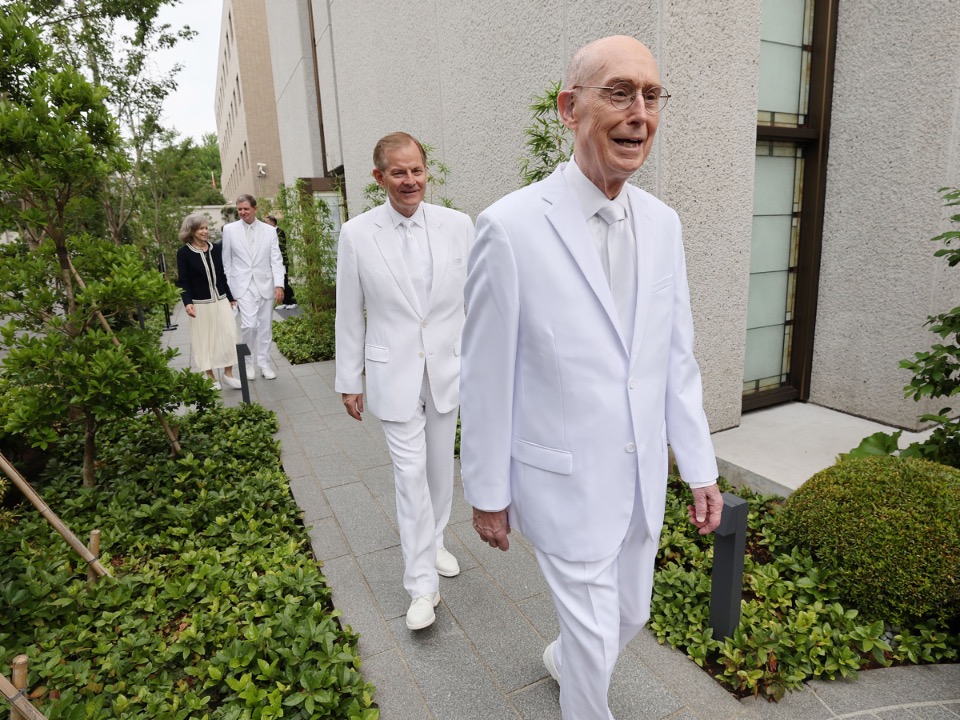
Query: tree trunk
[89, 450]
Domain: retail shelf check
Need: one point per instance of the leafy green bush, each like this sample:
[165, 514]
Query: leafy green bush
[886, 530]
[216, 608]
[793, 626]
[300, 343]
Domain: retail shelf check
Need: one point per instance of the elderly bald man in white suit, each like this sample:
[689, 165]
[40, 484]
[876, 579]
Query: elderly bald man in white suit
[401, 268]
[578, 366]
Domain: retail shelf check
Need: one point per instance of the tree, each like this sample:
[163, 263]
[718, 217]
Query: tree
[66, 365]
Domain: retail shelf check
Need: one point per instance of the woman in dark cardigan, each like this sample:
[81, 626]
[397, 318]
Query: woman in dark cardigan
[207, 300]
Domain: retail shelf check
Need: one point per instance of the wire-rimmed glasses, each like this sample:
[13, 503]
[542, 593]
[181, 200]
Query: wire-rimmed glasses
[622, 95]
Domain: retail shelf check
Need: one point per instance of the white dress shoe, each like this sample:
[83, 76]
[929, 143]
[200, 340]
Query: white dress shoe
[447, 564]
[230, 382]
[216, 385]
[421, 614]
[550, 662]
[251, 372]
[268, 372]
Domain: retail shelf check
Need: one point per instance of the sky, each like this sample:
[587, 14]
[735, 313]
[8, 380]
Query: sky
[190, 108]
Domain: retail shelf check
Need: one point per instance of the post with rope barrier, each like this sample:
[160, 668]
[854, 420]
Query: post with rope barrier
[16, 692]
[95, 551]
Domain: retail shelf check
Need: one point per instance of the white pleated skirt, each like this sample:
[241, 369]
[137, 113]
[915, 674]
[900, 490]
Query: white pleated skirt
[213, 335]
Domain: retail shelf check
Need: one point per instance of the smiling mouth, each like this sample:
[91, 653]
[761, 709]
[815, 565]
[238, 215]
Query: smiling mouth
[623, 142]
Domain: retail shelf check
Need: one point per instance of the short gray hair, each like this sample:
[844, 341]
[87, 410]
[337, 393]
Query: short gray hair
[191, 223]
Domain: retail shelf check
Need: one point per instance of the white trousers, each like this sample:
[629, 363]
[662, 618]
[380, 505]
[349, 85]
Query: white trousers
[600, 606]
[256, 325]
[422, 453]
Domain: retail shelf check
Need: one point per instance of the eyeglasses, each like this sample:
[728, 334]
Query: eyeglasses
[622, 94]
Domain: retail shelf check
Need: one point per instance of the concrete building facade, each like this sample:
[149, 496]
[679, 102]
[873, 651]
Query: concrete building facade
[244, 107]
[854, 109]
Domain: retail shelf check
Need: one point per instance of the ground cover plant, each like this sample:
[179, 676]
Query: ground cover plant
[794, 625]
[216, 608]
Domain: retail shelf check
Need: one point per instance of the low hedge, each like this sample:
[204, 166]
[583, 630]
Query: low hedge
[794, 626]
[303, 339]
[886, 528]
[216, 608]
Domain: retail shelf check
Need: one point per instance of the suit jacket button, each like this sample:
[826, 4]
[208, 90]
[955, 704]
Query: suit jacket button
[630, 448]
[421, 355]
[633, 383]
[424, 323]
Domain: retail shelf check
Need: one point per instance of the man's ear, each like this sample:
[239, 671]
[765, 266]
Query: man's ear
[378, 176]
[565, 102]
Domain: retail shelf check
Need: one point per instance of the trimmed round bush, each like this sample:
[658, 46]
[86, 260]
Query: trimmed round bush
[888, 531]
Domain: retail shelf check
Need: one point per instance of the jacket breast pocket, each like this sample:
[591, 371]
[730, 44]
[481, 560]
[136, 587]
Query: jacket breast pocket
[541, 456]
[375, 353]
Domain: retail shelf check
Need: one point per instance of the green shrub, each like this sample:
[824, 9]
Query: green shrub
[216, 607]
[886, 529]
[302, 342]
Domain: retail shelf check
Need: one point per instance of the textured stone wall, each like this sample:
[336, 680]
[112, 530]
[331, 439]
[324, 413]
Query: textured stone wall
[895, 139]
[462, 76]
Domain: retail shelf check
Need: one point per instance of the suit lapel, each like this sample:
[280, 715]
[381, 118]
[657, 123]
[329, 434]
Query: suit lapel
[569, 223]
[439, 249]
[645, 233]
[385, 236]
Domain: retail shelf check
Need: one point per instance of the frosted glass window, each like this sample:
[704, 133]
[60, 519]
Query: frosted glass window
[764, 353]
[770, 248]
[782, 21]
[781, 70]
[774, 184]
[767, 301]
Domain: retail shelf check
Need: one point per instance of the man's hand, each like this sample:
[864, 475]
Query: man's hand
[706, 509]
[492, 527]
[354, 405]
[278, 295]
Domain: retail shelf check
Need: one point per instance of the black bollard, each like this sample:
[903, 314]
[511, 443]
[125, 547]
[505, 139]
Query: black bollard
[726, 581]
[242, 352]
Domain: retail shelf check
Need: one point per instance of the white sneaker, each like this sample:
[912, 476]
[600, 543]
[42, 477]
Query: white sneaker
[251, 372]
[291, 306]
[231, 382]
[216, 385]
[550, 662]
[447, 564]
[279, 307]
[268, 372]
[421, 614]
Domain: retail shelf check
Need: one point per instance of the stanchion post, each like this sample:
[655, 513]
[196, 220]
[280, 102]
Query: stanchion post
[726, 582]
[162, 268]
[20, 672]
[95, 551]
[242, 352]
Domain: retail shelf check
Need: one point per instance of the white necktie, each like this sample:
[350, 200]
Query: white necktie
[620, 266]
[413, 259]
[249, 228]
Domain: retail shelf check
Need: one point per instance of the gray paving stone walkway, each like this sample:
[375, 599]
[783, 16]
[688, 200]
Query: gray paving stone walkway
[482, 657]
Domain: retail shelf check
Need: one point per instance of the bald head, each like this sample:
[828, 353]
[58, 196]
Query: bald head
[590, 60]
[611, 136]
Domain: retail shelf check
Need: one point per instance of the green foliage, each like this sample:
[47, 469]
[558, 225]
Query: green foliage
[885, 529]
[301, 343]
[936, 372]
[216, 608]
[437, 172]
[548, 140]
[794, 625]
[62, 369]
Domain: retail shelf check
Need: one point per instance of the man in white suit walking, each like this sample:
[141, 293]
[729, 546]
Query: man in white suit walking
[578, 366]
[401, 269]
[254, 269]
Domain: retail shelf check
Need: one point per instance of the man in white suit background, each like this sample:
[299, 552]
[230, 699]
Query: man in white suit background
[578, 366]
[254, 270]
[401, 269]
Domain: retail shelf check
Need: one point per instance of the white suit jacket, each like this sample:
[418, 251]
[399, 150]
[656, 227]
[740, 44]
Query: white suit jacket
[559, 417]
[255, 263]
[397, 339]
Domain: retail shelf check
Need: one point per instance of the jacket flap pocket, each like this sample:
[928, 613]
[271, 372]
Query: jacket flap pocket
[376, 353]
[661, 284]
[540, 456]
